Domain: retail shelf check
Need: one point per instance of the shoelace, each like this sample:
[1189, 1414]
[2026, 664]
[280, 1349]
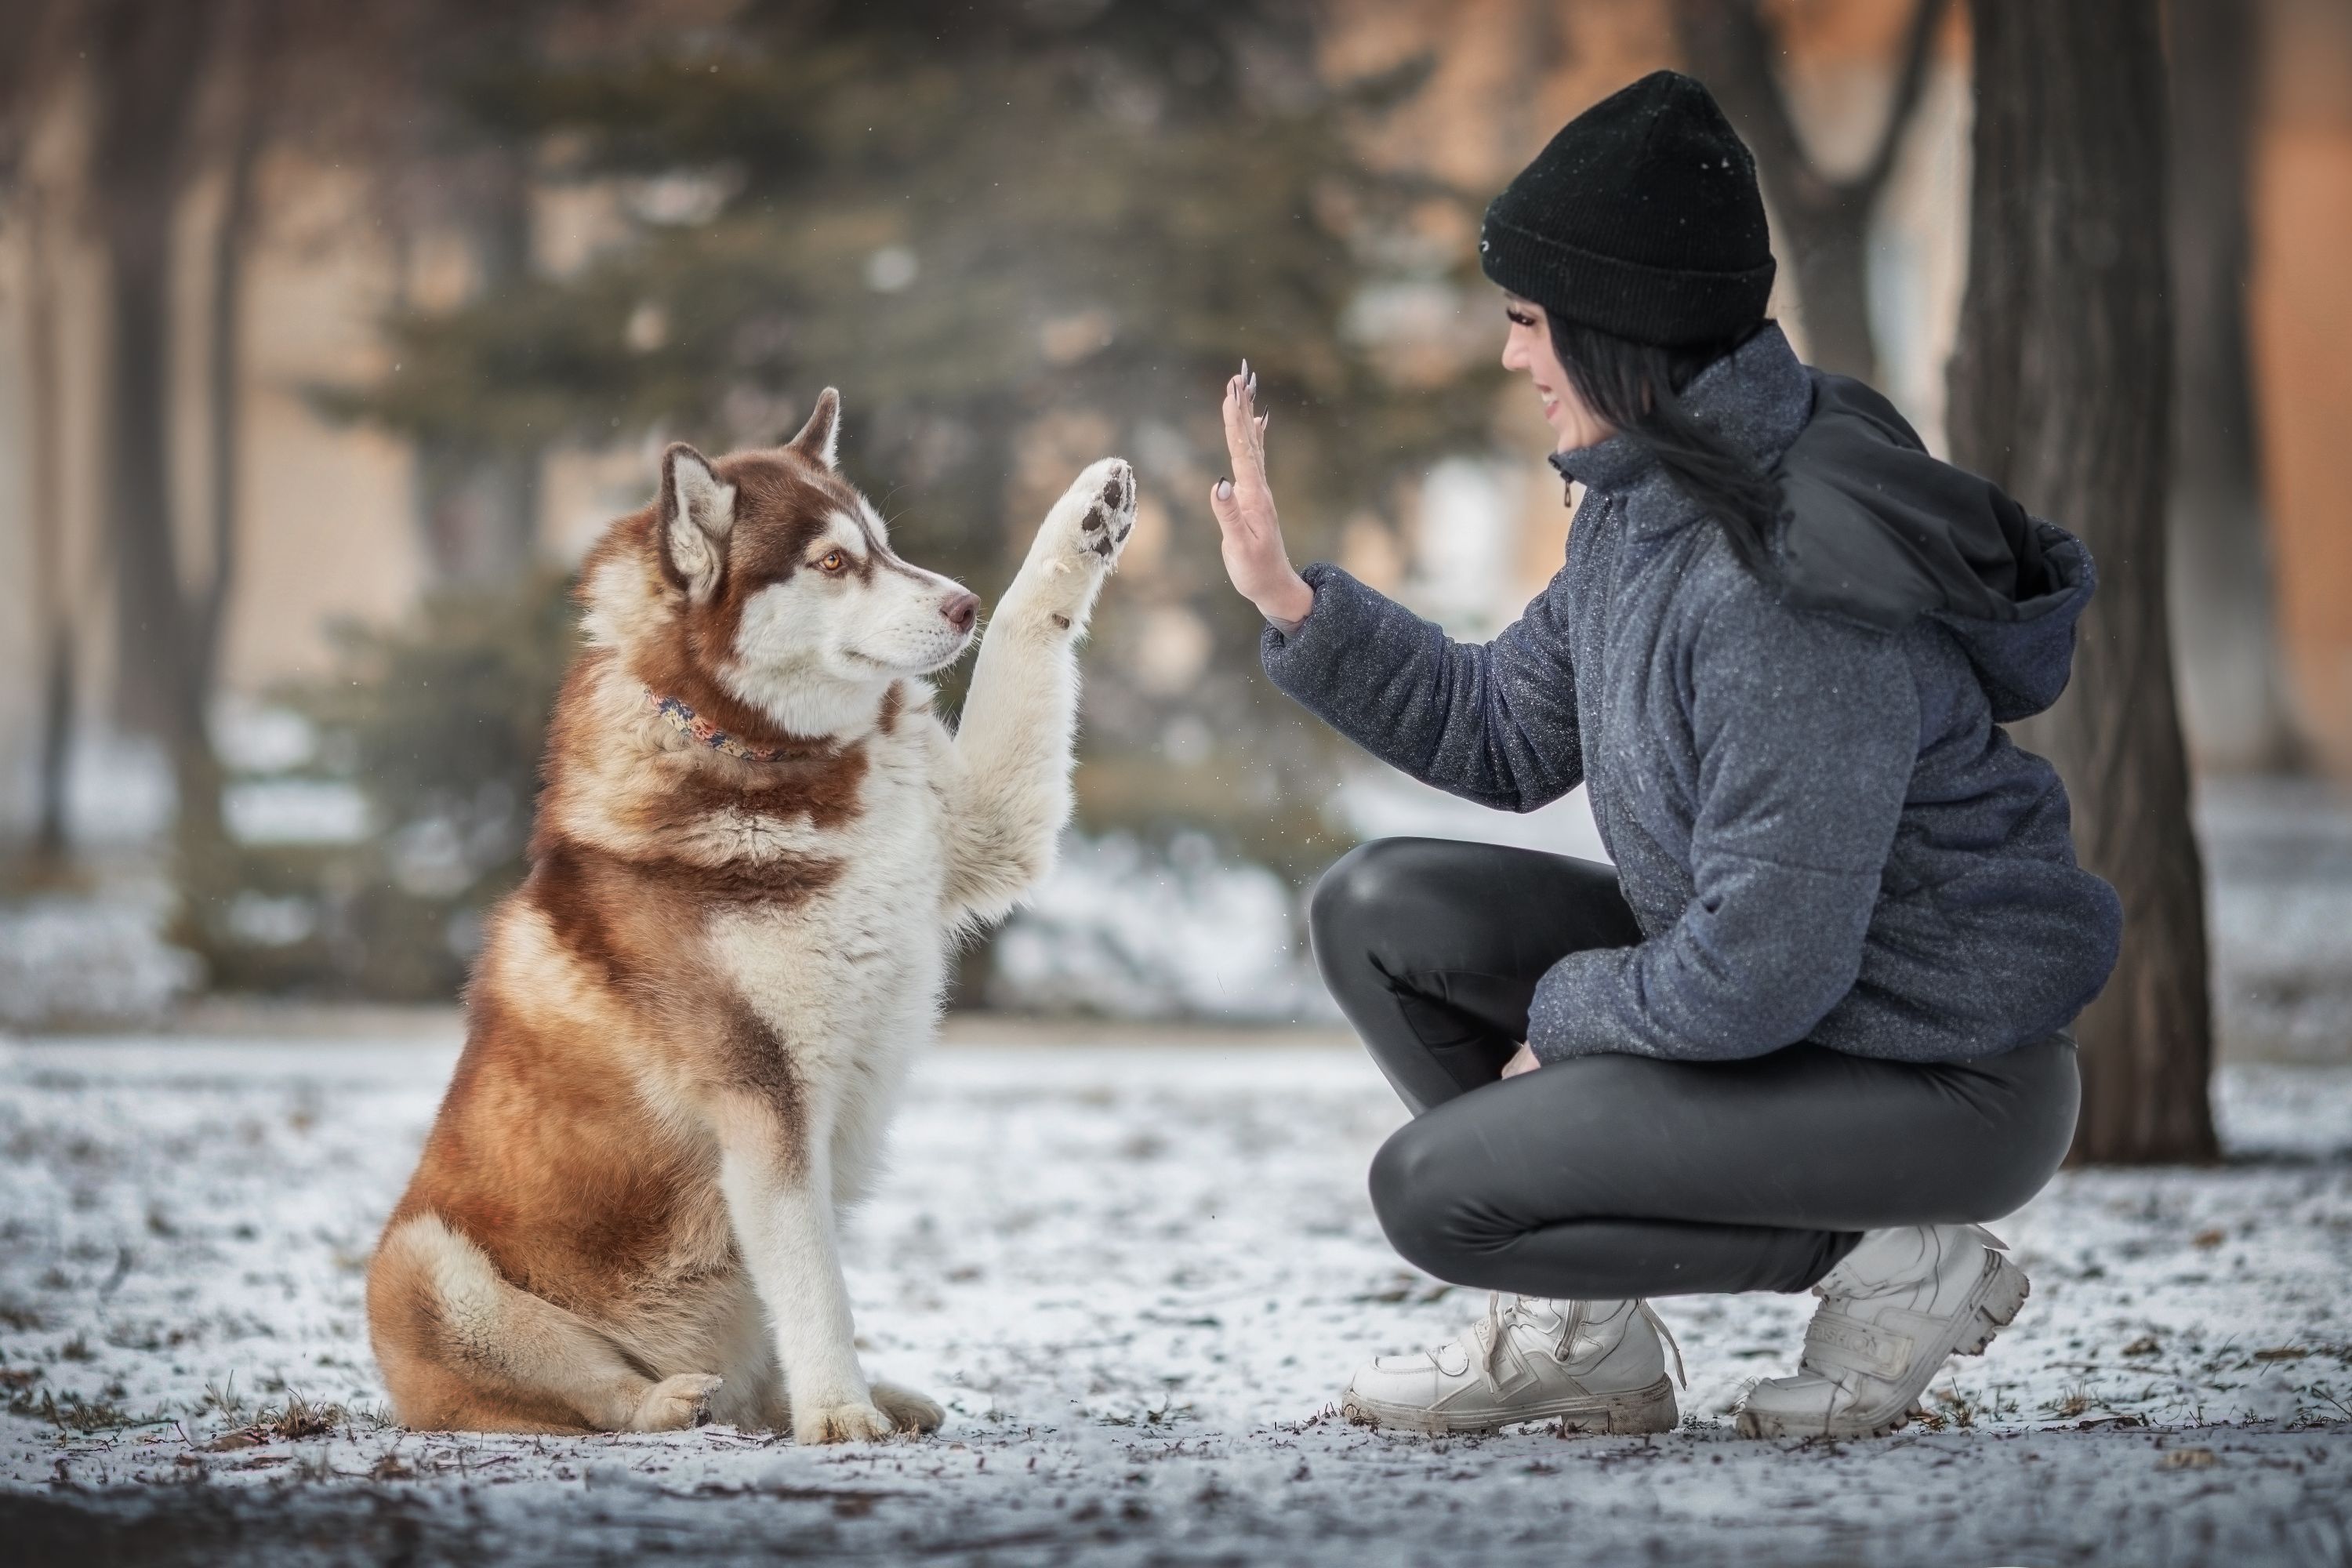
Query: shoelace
[1499, 1319]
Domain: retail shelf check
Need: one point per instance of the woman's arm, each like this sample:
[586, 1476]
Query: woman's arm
[1495, 722]
[1807, 730]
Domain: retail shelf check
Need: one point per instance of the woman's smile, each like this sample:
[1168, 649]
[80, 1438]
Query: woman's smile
[1527, 347]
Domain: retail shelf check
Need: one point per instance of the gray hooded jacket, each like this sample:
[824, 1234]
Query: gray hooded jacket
[1814, 811]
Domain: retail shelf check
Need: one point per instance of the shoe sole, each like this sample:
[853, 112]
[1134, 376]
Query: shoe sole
[1991, 1307]
[1650, 1409]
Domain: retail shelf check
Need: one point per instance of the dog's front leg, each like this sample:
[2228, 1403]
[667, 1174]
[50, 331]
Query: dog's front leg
[776, 1175]
[1009, 792]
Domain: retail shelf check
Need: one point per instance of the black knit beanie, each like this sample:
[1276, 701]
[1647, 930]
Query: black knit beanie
[1642, 218]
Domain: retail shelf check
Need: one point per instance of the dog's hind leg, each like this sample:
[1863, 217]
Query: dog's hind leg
[1009, 792]
[464, 1350]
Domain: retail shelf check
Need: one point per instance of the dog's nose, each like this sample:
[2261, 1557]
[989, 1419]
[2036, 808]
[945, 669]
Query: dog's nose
[960, 609]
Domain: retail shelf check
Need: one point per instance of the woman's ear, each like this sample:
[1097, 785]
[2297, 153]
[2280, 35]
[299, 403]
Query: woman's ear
[698, 514]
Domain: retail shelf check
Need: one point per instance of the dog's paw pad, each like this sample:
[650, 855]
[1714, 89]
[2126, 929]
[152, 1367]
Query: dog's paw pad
[1094, 518]
[676, 1403]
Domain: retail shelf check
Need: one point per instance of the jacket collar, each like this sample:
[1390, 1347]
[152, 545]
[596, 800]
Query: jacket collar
[1758, 397]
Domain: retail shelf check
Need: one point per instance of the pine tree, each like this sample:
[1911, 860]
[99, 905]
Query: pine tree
[1018, 238]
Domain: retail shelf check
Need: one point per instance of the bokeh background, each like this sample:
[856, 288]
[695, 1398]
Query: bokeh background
[330, 335]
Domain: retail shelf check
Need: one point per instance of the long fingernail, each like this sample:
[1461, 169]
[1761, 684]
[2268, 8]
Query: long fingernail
[1253, 386]
[1262, 419]
[1246, 374]
[1225, 490]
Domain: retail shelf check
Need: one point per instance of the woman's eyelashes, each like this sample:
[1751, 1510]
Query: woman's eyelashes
[1518, 318]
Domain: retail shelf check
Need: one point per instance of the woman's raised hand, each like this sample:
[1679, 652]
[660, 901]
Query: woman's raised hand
[1254, 559]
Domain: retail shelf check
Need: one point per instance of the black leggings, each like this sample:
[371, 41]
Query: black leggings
[1609, 1176]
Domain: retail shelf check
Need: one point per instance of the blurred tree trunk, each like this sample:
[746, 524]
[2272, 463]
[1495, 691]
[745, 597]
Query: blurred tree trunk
[147, 63]
[225, 331]
[53, 586]
[1826, 221]
[2062, 393]
[2224, 626]
[39, 40]
[143, 57]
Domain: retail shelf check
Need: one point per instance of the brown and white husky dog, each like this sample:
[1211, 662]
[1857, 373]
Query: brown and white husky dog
[686, 1029]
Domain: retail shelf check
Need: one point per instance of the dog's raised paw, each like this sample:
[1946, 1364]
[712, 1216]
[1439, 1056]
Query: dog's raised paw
[1097, 513]
[841, 1424]
[908, 1410]
[675, 1403]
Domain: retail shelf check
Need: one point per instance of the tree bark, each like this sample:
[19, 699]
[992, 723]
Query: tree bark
[225, 357]
[53, 584]
[146, 60]
[2233, 688]
[1826, 221]
[145, 90]
[2060, 391]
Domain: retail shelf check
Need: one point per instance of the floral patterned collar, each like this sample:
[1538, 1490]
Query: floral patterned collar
[692, 725]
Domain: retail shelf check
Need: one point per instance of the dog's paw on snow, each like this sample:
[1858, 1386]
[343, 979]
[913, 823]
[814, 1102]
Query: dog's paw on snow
[908, 1410]
[675, 1403]
[841, 1424]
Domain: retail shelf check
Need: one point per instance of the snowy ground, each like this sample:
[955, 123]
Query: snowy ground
[1137, 1274]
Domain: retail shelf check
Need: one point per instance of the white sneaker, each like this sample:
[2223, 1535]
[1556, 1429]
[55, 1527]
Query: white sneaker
[1594, 1366]
[1892, 1310]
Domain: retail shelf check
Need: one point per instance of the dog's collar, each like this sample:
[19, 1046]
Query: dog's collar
[695, 726]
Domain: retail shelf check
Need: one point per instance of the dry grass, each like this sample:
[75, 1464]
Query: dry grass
[289, 1422]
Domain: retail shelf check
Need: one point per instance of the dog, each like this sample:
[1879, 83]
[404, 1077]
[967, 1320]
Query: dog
[755, 848]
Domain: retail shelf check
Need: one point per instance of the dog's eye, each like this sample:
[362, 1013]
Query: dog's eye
[834, 561]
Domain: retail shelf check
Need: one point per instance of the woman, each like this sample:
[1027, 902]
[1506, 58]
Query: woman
[1810, 1030]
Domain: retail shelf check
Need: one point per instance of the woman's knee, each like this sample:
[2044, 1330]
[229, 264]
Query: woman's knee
[1344, 913]
[1418, 1196]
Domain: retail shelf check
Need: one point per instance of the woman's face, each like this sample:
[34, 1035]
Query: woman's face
[1528, 348]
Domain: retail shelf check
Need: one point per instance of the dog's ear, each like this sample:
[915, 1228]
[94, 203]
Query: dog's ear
[821, 436]
[697, 513]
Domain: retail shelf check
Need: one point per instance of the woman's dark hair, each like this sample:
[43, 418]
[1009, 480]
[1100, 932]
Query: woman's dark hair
[1637, 388]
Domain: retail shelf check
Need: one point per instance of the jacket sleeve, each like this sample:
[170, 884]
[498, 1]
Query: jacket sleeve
[1806, 730]
[1493, 722]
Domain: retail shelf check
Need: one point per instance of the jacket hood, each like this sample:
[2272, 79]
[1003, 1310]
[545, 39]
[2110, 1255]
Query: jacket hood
[1877, 530]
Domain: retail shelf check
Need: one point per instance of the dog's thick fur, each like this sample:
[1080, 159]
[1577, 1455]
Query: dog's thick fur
[687, 1027]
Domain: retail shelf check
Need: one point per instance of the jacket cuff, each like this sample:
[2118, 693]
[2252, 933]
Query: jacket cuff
[1314, 573]
[1557, 1007]
[1298, 650]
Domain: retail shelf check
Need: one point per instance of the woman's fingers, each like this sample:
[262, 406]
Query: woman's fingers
[1244, 427]
[1222, 504]
[1238, 446]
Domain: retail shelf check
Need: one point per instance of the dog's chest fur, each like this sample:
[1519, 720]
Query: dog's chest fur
[845, 974]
